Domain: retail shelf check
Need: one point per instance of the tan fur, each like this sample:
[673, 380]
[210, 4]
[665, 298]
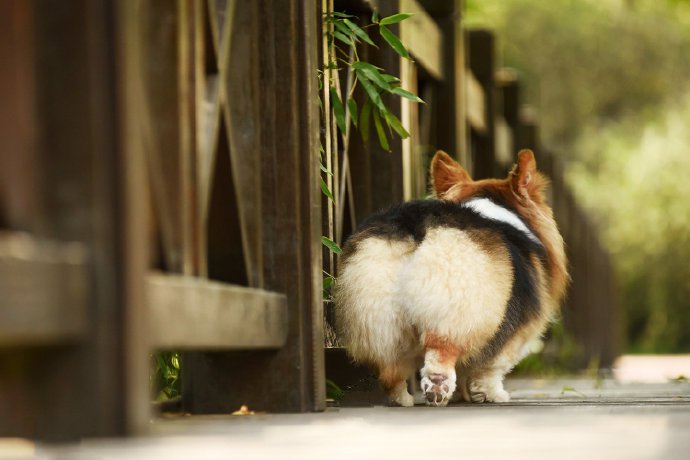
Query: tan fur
[445, 298]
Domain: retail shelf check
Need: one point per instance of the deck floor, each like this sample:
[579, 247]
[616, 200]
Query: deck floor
[547, 419]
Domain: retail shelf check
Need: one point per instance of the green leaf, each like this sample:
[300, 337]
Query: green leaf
[390, 78]
[375, 17]
[338, 110]
[352, 110]
[364, 120]
[394, 42]
[342, 37]
[359, 32]
[397, 126]
[326, 191]
[407, 95]
[341, 15]
[373, 94]
[325, 169]
[395, 18]
[383, 140]
[331, 245]
[370, 72]
[343, 29]
[327, 283]
[175, 361]
[333, 391]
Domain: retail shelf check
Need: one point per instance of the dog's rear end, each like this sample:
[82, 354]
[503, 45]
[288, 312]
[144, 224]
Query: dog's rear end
[466, 281]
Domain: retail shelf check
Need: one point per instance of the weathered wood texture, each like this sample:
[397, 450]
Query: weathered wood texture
[481, 61]
[45, 291]
[270, 129]
[147, 141]
[191, 313]
[63, 180]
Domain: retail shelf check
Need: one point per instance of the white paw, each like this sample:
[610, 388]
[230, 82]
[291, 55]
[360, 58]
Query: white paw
[500, 396]
[437, 389]
[404, 400]
[481, 392]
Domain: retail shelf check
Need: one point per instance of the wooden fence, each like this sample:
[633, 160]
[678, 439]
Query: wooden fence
[159, 191]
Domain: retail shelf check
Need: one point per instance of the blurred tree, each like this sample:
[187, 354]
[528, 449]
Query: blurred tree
[611, 79]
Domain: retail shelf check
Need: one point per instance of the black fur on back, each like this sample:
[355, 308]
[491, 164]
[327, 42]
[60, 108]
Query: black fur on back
[415, 218]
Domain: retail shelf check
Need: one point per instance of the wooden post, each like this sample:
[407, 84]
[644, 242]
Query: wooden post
[450, 103]
[94, 384]
[292, 378]
[482, 64]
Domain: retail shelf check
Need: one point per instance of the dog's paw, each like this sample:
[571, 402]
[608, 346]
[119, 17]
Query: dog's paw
[402, 400]
[437, 389]
[480, 392]
[500, 396]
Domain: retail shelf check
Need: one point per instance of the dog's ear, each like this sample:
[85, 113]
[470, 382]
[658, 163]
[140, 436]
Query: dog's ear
[447, 176]
[525, 179]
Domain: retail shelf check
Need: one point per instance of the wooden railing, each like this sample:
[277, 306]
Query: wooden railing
[158, 191]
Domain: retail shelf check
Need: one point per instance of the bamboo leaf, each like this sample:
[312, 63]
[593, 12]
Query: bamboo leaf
[364, 120]
[338, 109]
[394, 42]
[394, 18]
[341, 15]
[327, 283]
[373, 93]
[342, 37]
[397, 126]
[331, 245]
[390, 78]
[326, 191]
[407, 95]
[343, 29]
[325, 169]
[371, 73]
[383, 140]
[375, 17]
[352, 110]
[359, 32]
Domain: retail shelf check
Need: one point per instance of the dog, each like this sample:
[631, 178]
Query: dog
[460, 284]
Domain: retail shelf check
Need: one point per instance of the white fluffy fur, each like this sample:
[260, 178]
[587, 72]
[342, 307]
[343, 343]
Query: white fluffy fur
[491, 210]
[371, 322]
[442, 288]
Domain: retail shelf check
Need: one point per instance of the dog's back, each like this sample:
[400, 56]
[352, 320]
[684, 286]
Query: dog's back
[461, 282]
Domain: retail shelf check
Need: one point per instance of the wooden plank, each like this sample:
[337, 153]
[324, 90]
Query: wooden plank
[482, 64]
[132, 394]
[476, 105]
[239, 93]
[423, 38]
[44, 287]
[20, 187]
[504, 145]
[450, 101]
[191, 313]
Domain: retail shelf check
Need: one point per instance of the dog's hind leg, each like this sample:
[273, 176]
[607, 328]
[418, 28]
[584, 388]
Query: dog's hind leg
[393, 378]
[438, 374]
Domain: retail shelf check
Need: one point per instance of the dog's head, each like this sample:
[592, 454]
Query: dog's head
[524, 186]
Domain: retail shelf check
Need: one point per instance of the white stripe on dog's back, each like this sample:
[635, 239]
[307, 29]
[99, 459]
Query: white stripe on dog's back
[487, 208]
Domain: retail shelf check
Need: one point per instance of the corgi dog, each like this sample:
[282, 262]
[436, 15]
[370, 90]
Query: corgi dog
[462, 283]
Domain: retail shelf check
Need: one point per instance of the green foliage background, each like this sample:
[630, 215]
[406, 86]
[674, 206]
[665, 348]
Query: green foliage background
[611, 80]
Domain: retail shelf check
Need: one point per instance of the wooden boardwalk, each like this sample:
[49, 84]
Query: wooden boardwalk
[547, 419]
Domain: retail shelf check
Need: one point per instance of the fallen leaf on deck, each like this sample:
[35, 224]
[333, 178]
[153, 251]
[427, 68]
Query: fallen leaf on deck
[244, 410]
